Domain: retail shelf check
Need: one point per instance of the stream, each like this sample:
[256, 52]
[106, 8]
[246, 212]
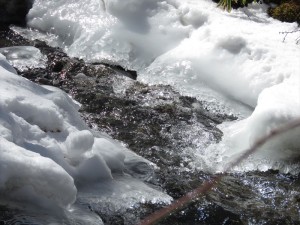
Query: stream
[181, 96]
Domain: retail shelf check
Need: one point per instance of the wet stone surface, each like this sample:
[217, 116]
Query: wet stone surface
[159, 124]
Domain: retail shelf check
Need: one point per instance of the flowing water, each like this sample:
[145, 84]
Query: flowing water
[237, 63]
[210, 83]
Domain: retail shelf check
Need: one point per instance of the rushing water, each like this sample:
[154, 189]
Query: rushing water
[233, 64]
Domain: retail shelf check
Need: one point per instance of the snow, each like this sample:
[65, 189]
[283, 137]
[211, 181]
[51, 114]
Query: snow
[25, 174]
[121, 33]
[46, 150]
[276, 106]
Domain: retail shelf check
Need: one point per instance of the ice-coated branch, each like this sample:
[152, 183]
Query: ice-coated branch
[208, 185]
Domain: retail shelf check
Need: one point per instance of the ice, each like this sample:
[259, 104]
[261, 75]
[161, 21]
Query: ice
[46, 149]
[24, 57]
[111, 153]
[235, 63]
[121, 195]
[6, 64]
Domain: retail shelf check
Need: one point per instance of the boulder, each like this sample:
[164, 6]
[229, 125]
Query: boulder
[14, 12]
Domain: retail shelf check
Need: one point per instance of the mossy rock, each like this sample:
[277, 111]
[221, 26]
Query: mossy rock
[286, 12]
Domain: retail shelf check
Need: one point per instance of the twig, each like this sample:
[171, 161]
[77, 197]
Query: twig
[290, 32]
[208, 185]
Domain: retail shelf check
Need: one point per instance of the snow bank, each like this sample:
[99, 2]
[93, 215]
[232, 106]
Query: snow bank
[45, 147]
[26, 175]
[122, 32]
[234, 62]
[235, 55]
[276, 106]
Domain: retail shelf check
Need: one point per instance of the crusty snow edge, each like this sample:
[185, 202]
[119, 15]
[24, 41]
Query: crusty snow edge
[46, 149]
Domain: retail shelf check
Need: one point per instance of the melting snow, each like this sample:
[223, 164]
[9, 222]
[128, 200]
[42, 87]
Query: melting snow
[46, 150]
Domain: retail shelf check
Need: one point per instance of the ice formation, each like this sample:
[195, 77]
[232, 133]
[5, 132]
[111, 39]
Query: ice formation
[24, 57]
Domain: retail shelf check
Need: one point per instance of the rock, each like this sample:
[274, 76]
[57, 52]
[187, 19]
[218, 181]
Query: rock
[117, 68]
[287, 11]
[14, 12]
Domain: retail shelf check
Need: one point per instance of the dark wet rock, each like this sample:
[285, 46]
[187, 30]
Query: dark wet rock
[249, 198]
[14, 12]
[10, 38]
[5, 214]
[126, 72]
